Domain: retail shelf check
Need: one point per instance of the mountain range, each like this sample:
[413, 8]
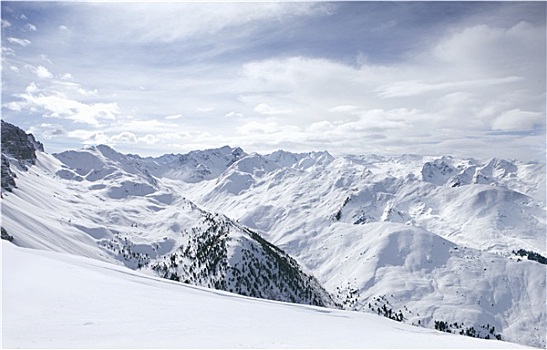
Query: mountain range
[456, 245]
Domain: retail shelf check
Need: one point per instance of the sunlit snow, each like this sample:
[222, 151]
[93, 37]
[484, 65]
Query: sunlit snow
[53, 300]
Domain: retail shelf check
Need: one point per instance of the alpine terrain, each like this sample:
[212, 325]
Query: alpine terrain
[439, 243]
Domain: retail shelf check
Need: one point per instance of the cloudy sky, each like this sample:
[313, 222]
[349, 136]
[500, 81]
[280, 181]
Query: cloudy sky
[460, 78]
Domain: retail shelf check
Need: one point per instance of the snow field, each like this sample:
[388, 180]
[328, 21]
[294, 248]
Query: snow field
[53, 300]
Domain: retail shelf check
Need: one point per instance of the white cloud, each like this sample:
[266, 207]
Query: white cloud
[484, 44]
[45, 58]
[344, 109]
[85, 92]
[80, 134]
[176, 116]
[42, 72]
[206, 109]
[66, 76]
[57, 105]
[321, 127]
[63, 27]
[6, 51]
[123, 137]
[5, 23]
[430, 98]
[14, 106]
[264, 127]
[18, 41]
[30, 27]
[31, 88]
[258, 127]
[89, 137]
[96, 138]
[173, 137]
[266, 109]
[48, 131]
[303, 77]
[149, 139]
[517, 120]
[152, 23]
[70, 87]
[233, 114]
[146, 126]
[413, 88]
[379, 120]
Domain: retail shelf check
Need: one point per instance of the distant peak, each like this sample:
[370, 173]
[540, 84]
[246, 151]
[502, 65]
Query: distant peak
[238, 152]
[322, 153]
[106, 149]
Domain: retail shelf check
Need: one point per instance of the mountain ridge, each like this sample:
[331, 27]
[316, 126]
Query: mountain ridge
[396, 236]
[114, 233]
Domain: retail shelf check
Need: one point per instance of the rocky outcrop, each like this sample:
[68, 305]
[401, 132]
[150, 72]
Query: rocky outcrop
[19, 146]
[5, 235]
[8, 177]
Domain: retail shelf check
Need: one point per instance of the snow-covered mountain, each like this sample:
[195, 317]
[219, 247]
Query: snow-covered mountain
[428, 240]
[432, 242]
[98, 203]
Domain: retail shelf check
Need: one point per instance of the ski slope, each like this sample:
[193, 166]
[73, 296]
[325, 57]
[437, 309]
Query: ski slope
[55, 300]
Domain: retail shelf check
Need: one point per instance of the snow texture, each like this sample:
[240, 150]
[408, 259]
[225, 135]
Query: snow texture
[53, 300]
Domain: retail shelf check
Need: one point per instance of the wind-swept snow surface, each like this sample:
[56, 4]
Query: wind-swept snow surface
[53, 300]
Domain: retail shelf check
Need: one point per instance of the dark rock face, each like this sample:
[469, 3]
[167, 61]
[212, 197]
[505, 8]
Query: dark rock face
[8, 182]
[6, 236]
[19, 145]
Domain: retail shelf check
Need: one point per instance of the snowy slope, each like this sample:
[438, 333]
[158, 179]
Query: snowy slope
[425, 278]
[500, 216]
[111, 210]
[53, 300]
[426, 241]
[343, 218]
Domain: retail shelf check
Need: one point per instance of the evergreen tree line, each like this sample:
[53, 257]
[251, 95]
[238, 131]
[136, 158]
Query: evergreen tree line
[490, 331]
[531, 256]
